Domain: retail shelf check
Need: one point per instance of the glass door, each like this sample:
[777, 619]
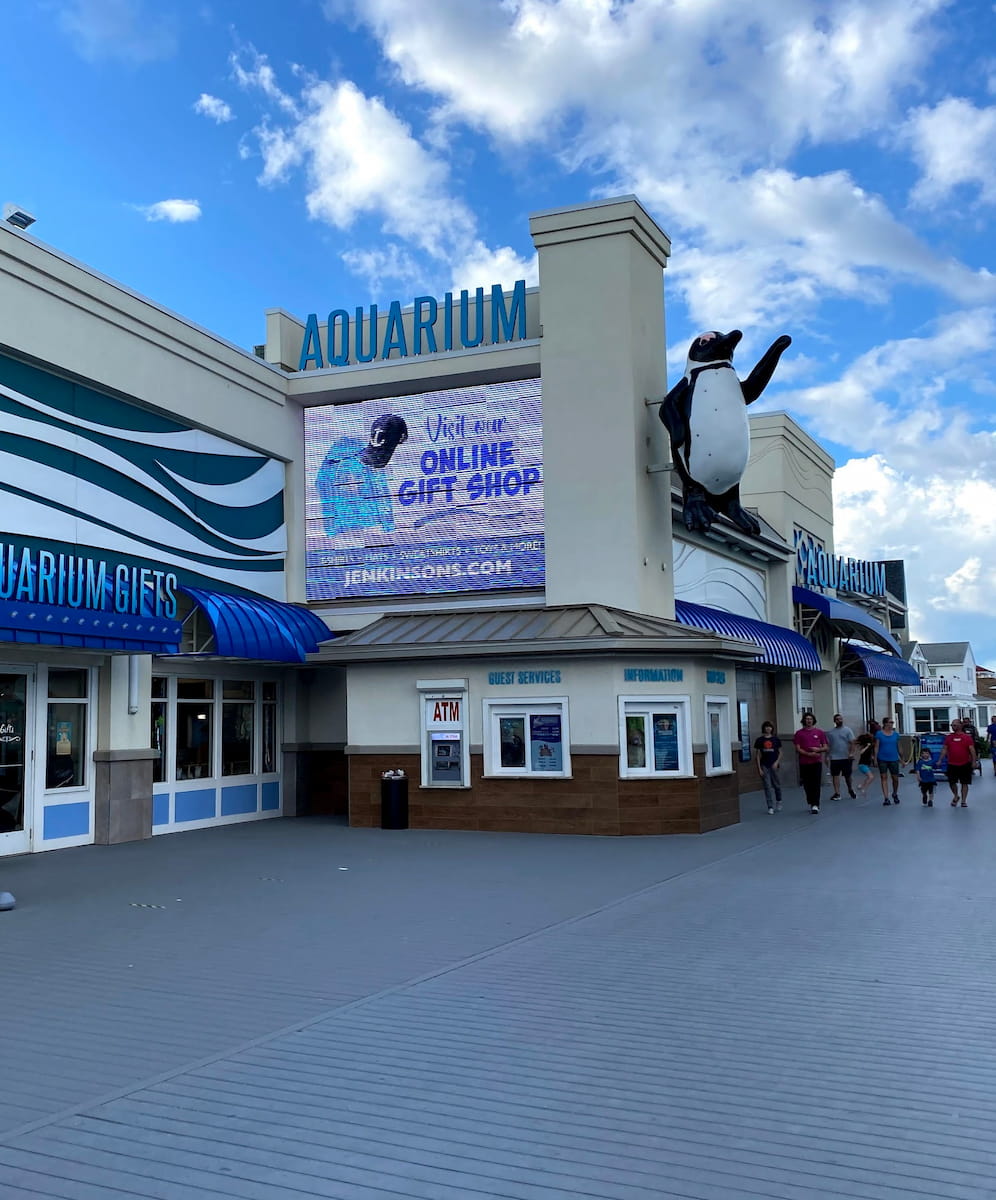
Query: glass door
[15, 757]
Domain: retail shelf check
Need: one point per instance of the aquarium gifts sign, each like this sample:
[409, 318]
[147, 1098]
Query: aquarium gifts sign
[426, 494]
[31, 575]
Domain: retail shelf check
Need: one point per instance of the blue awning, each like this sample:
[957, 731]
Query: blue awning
[84, 628]
[882, 668]
[848, 619]
[251, 627]
[782, 647]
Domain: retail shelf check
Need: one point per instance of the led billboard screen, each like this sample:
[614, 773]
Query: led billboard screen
[420, 495]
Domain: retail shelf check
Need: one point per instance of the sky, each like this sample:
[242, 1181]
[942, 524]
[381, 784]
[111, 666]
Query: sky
[824, 168]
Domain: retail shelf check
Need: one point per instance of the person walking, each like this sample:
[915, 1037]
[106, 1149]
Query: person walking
[841, 741]
[811, 745]
[959, 753]
[768, 756]
[864, 744]
[887, 758]
[925, 774]
[991, 734]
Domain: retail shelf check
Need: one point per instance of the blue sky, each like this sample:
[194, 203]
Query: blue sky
[824, 168]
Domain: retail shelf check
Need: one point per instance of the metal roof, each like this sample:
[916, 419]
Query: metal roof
[943, 653]
[883, 668]
[487, 632]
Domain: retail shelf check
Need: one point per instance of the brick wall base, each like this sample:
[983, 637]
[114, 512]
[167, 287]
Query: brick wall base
[594, 801]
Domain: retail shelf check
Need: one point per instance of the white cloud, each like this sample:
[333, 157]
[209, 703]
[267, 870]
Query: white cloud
[213, 108]
[895, 397]
[134, 31]
[260, 75]
[482, 265]
[941, 525]
[692, 105]
[174, 211]
[954, 144]
[361, 161]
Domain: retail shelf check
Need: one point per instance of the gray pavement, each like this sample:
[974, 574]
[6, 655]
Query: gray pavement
[797, 1007]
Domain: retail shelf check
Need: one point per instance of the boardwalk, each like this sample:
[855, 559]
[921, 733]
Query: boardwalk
[799, 1007]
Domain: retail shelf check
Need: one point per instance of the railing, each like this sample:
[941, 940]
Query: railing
[940, 687]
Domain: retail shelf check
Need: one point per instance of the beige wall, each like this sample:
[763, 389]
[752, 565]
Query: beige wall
[383, 702]
[608, 520]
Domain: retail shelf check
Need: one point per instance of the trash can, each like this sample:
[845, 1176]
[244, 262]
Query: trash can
[394, 803]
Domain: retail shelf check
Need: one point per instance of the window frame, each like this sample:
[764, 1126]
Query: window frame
[494, 708]
[87, 724]
[725, 733]
[644, 705]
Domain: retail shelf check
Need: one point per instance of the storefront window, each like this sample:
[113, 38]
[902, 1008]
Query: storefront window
[66, 748]
[653, 736]
[157, 740]
[194, 725]
[238, 711]
[718, 750]
[527, 739]
[269, 747]
[931, 720]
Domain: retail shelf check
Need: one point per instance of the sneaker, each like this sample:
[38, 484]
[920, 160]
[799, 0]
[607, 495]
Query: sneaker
[954, 802]
[930, 804]
[814, 808]
[895, 798]
[778, 806]
[771, 811]
[964, 804]
[853, 795]
[834, 797]
[886, 803]
[923, 801]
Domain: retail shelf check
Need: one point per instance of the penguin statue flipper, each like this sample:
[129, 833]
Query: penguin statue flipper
[760, 377]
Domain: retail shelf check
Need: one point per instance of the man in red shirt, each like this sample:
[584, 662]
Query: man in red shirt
[959, 754]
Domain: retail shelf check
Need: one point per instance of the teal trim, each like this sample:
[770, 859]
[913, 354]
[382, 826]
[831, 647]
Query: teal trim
[114, 483]
[77, 400]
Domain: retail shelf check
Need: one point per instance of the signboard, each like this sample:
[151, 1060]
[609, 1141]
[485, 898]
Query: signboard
[545, 743]
[814, 568]
[426, 494]
[666, 742]
[427, 327]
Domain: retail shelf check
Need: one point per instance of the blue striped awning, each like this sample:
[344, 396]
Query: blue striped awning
[882, 668]
[847, 619]
[782, 647]
[251, 627]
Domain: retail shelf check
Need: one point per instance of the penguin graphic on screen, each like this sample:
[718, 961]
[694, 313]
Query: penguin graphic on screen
[352, 484]
[706, 418]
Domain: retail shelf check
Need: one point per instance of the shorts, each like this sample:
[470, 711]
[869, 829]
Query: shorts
[889, 768]
[840, 766]
[927, 788]
[959, 773]
[864, 769]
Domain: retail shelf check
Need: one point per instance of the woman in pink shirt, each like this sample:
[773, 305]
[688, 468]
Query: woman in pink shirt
[811, 745]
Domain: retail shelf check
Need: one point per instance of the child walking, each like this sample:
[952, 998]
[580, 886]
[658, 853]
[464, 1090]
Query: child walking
[925, 773]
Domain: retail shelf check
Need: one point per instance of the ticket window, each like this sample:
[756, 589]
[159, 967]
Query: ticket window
[445, 745]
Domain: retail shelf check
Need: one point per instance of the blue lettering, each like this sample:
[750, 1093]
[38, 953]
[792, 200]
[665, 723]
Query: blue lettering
[339, 318]
[96, 577]
[169, 587]
[507, 320]
[311, 348]
[25, 577]
[361, 354]
[425, 324]
[448, 321]
[46, 577]
[465, 339]
[75, 583]
[394, 334]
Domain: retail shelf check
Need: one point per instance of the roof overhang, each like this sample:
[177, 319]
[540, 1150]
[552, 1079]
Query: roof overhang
[780, 647]
[880, 668]
[847, 620]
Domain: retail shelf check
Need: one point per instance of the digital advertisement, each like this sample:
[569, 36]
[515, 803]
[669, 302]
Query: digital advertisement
[426, 494]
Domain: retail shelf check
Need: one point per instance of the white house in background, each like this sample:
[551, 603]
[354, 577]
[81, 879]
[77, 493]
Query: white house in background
[948, 688]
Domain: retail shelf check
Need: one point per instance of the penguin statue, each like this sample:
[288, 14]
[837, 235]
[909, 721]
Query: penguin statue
[706, 418]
